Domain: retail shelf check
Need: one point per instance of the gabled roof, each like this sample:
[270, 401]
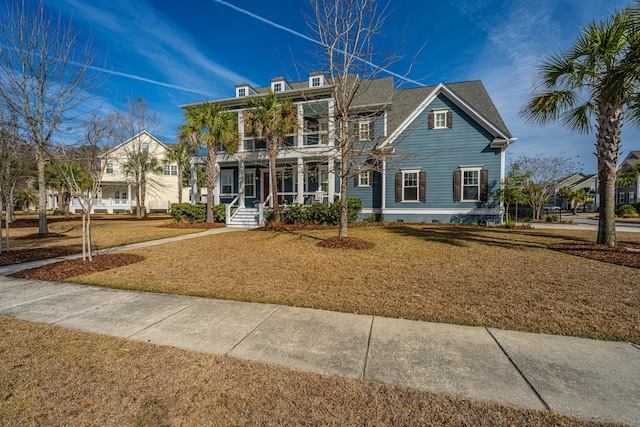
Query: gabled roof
[632, 159]
[470, 96]
[137, 136]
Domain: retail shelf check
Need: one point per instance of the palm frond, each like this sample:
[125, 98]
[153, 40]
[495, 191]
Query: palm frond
[548, 107]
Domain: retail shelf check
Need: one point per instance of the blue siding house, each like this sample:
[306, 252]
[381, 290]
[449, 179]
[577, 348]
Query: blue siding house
[428, 154]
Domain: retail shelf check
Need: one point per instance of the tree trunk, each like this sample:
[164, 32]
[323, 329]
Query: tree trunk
[607, 152]
[89, 235]
[274, 184]
[42, 192]
[211, 179]
[344, 170]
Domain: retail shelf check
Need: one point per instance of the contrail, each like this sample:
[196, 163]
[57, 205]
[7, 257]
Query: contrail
[146, 80]
[298, 34]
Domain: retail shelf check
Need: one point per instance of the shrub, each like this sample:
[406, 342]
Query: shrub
[219, 212]
[636, 206]
[188, 212]
[58, 212]
[626, 211]
[552, 218]
[318, 213]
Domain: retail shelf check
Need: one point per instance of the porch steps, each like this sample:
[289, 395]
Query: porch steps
[245, 218]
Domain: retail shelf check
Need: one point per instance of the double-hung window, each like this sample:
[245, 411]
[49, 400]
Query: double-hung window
[364, 131]
[249, 185]
[363, 179]
[440, 120]
[144, 147]
[169, 170]
[471, 185]
[277, 87]
[227, 182]
[315, 82]
[109, 167]
[410, 186]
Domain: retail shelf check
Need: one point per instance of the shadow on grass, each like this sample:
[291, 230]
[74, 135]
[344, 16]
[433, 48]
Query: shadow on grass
[462, 235]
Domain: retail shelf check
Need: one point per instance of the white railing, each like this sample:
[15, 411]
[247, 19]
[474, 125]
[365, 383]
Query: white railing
[229, 214]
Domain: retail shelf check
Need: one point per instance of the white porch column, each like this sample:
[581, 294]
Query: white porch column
[216, 184]
[129, 194]
[300, 125]
[194, 177]
[332, 123]
[241, 183]
[383, 199]
[300, 189]
[240, 131]
[332, 180]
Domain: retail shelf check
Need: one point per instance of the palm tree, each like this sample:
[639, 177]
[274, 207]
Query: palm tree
[595, 77]
[214, 127]
[181, 154]
[271, 119]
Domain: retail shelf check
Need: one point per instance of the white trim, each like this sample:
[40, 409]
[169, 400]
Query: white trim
[383, 204]
[436, 114]
[464, 169]
[417, 187]
[366, 173]
[437, 211]
[442, 88]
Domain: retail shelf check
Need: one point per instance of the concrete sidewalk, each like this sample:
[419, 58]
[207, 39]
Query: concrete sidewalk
[589, 379]
[594, 380]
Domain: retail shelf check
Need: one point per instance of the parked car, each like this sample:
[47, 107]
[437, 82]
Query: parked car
[552, 208]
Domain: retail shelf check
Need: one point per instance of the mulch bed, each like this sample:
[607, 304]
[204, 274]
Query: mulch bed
[76, 267]
[40, 236]
[26, 255]
[345, 243]
[626, 253]
[197, 225]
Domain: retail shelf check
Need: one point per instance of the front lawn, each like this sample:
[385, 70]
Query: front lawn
[50, 376]
[463, 275]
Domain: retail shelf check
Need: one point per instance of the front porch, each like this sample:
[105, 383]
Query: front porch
[244, 186]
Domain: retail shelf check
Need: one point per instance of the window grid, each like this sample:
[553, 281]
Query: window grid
[363, 179]
[440, 120]
[410, 186]
[470, 185]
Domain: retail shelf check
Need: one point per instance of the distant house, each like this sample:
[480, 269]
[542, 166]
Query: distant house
[117, 192]
[577, 181]
[437, 153]
[629, 194]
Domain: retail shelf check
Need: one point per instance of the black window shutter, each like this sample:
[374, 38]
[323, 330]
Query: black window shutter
[430, 121]
[356, 180]
[484, 185]
[423, 187]
[371, 134]
[398, 186]
[449, 119]
[371, 177]
[457, 193]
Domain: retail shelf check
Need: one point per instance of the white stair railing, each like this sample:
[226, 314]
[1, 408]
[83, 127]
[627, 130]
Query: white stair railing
[232, 206]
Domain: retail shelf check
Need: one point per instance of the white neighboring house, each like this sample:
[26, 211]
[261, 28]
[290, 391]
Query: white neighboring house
[117, 192]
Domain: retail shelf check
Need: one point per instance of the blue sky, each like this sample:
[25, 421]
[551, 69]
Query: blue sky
[177, 52]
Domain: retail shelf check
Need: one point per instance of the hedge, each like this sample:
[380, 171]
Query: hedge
[196, 213]
[318, 213]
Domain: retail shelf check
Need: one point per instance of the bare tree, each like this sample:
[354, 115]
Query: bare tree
[47, 73]
[543, 173]
[346, 30]
[140, 162]
[82, 167]
[17, 166]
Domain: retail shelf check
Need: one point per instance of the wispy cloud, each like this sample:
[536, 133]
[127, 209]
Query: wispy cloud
[162, 48]
[312, 40]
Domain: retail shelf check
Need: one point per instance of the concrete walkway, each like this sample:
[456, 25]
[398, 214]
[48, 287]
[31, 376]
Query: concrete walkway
[589, 379]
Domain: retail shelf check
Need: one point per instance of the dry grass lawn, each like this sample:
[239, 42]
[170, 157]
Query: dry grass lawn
[106, 231]
[51, 376]
[464, 275]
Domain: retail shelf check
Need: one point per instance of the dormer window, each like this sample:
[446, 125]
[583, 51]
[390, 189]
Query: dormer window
[279, 84]
[316, 80]
[243, 89]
